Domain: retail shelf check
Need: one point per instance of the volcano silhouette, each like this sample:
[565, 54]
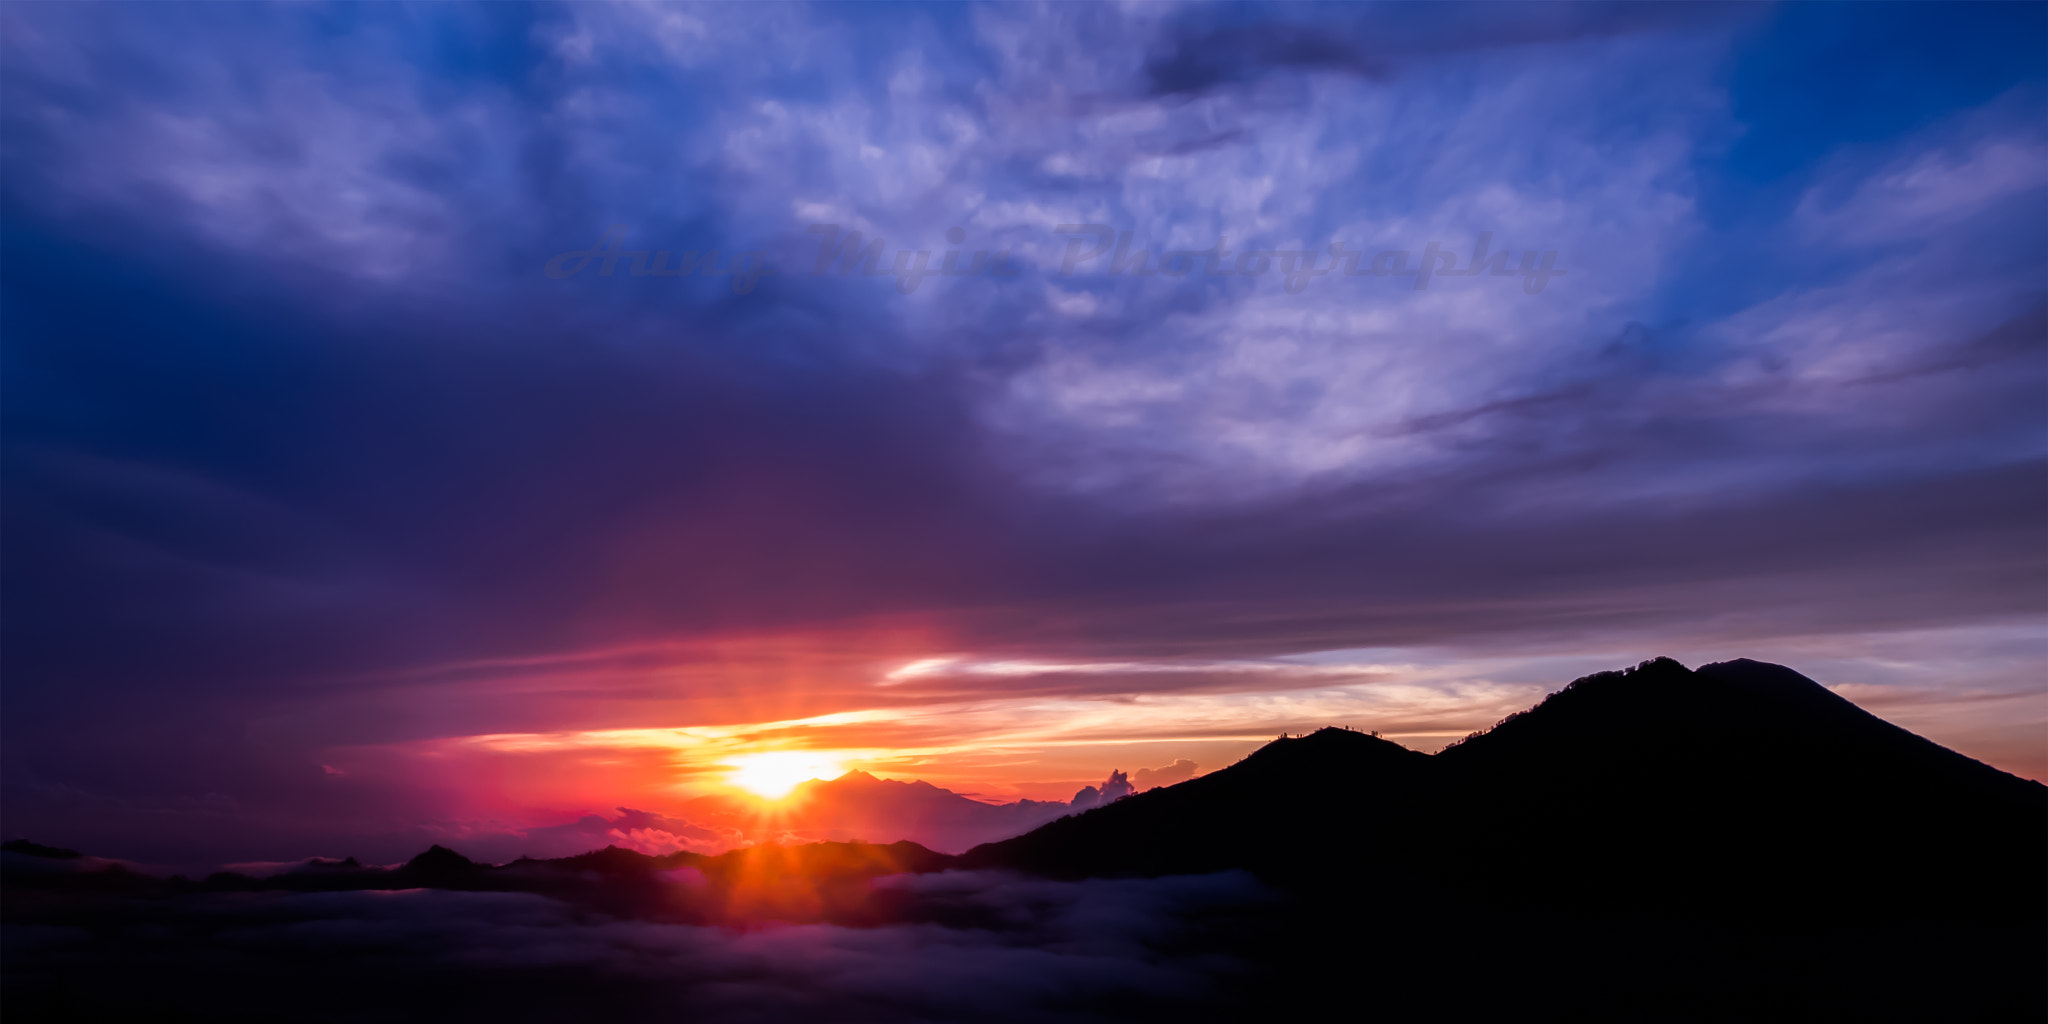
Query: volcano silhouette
[1740, 790]
[1735, 842]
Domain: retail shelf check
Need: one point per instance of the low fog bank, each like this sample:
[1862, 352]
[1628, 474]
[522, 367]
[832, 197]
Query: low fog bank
[986, 946]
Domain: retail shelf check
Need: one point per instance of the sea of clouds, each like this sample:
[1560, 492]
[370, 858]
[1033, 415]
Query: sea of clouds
[984, 946]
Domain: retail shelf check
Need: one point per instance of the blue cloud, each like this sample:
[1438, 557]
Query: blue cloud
[293, 406]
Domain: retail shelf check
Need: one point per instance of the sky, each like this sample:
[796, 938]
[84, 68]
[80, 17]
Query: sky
[352, 498]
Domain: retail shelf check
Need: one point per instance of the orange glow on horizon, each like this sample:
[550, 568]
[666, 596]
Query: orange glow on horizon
[772, 774]
[718, 737]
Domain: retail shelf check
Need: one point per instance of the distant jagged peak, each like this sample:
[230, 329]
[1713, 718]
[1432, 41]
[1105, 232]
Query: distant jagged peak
[853, 785]
[857, 780]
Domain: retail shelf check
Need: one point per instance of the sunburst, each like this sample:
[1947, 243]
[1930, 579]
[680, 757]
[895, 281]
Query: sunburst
[772, 774]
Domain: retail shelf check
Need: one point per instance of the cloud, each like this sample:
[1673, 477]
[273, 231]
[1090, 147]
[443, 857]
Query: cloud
[1114, 788]
[309, 465]
[1199, 54]
[644, 831]
[980, 946]
[1180, 770]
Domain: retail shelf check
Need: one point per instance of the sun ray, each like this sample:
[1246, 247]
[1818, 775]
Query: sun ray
[772, 774]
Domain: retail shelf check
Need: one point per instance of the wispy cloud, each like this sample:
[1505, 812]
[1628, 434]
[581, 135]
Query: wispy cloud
[324, 500]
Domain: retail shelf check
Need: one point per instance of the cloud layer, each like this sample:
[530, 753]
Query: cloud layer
[333, 517]
[969, 945]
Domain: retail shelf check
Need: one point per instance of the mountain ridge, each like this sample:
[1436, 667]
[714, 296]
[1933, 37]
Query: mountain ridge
[1741, 789]
[851, 805]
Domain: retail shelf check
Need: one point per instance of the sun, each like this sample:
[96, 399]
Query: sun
[772, 775]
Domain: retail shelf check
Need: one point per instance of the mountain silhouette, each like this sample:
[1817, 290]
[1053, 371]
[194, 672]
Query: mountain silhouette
[860, 806]
[1740, 790]
[1307, 800]
[438, 868]
[1654, 844]
[860, 797]
[1735, 842]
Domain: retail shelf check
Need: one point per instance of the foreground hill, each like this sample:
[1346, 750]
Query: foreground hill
[1735, 842]
[1308, 802]
[1742, 789]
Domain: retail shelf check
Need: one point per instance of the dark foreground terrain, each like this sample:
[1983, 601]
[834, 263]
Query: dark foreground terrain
[1660, 844]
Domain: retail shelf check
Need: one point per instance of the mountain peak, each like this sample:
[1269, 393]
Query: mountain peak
[1740, 788]
[438, 856]
[1660, 702]
[1331, 742]
[441, 867]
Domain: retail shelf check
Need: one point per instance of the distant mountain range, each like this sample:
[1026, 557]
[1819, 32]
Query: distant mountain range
[1740, 789]
[1738, 836]
[858, 805]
